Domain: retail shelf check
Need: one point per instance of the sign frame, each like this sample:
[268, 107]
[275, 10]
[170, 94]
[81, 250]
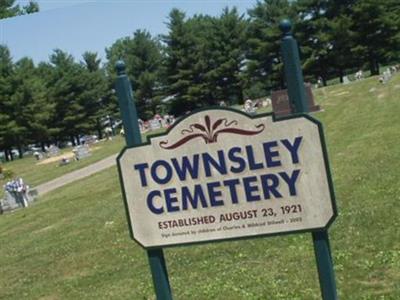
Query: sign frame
[274, 119]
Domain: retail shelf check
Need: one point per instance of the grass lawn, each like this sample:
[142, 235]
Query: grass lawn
[34, 173]
[74, 242]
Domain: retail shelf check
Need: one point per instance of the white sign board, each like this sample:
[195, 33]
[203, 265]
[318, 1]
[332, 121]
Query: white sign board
[220, 174]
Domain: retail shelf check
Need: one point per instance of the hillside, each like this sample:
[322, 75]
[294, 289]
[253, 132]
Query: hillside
[74, 243]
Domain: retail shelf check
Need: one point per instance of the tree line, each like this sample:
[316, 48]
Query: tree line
[202, 60]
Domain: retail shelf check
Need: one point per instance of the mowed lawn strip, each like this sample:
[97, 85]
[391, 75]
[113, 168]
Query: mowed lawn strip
[74, 244]
[35, 174]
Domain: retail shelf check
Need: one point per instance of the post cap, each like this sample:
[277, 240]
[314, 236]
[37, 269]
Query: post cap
[285, 26]
[120, 67]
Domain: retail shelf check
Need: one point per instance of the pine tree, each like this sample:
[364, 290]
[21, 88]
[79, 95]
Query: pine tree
[264, 67]
[377, 26]
[179, 63]
[6, 90]
[204, 59]
[97, 90]
[67, 87]
[228, 46]
[8, 8]
[341, 36]
[31, 109]
[313, 33]
[143, 58]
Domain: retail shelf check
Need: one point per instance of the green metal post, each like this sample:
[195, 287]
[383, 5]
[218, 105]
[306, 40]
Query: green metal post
[297, 96]
[293, 73]
[132, 137]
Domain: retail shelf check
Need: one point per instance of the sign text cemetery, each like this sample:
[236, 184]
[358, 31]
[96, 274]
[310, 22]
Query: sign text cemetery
[220, 174]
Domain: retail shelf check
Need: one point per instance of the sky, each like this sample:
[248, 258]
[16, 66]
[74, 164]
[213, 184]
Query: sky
[78, 26]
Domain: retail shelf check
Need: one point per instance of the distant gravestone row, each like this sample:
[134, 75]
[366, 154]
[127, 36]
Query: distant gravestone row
[17, 194]
[52, 151]
[156, 122]
[384, 78]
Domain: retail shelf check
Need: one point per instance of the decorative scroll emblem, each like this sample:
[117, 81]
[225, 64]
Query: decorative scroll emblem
[209, 133]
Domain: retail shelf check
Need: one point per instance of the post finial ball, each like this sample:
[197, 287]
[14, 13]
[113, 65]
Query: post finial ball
[285, 26]
[120, 67]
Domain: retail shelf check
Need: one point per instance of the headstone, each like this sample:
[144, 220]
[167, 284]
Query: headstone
[346, 80]
[249, 107]
[168, 120]
[141, 125]
[81, 151]
[108, 133]
[320, 82]
[387, 75]
[359, 75]
[38, 155]
[90, 139]
[17, 195]
[155, 124]
[281, 105]
[266, 102]
[53, 151]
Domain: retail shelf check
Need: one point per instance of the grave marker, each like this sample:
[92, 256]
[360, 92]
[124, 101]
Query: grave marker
[81, 151]
[281, 105]
[53, 151]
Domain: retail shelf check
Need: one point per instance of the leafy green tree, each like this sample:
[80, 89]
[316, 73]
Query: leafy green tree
[142, 54]
[8, 8]
[31, 110]
[197, 59]
[67, 87]
[341, 36]
[377, 26]
[91, 61]
[179, 63]
[264, 67]
[312, 31]
[6, 90]
[94, 100]
[228, 50]
[204, 59]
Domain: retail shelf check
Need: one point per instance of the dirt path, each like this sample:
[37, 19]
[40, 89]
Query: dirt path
[76, 175]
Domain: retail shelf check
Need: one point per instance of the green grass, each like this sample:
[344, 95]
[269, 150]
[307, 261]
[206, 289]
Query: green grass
[34, 174]
[74, 243]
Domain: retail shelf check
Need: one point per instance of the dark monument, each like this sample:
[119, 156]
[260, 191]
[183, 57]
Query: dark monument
[281, 105]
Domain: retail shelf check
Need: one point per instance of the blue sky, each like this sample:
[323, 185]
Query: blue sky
[77, 26]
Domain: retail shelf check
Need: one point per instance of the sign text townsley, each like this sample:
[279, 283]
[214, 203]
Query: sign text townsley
[219, 174]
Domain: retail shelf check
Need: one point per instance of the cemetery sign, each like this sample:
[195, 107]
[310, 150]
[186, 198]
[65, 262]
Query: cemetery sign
[220, 174]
